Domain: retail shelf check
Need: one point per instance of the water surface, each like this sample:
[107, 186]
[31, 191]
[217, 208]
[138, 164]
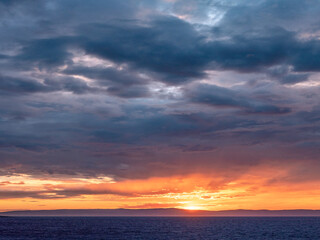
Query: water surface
[154, 228]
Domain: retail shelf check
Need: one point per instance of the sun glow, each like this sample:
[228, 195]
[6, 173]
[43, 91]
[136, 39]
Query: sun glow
[180, 192]
[192, 207]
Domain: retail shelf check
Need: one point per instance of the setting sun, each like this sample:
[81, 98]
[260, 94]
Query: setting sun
[192, 208]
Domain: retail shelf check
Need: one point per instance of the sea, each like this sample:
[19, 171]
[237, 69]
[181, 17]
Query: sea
[220, 228]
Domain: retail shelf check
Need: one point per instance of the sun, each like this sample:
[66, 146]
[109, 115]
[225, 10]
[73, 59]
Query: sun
[192, 207]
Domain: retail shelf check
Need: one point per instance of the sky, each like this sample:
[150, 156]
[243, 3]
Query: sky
[193, 104]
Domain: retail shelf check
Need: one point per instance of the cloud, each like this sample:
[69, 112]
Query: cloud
[48, 52]
[14, 85]
[284, 75]
[123, 83]
[223, 97]
[141, 89]
[17, 85]
[154, 47]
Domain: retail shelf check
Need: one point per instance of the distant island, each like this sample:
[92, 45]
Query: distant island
[161, 212]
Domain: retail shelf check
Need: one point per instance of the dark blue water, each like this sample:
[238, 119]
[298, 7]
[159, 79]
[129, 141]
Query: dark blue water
[159, 228]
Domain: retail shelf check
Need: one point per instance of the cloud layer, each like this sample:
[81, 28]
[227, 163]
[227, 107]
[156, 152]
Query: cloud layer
[138, 89]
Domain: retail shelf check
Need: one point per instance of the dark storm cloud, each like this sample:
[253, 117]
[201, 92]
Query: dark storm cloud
[69, 84]
[108, 74]
[290, 14]
[117, 87]
[306, 57]
[251, 51]
[155, 47]
[26, 86]
[285, 75]
[129, 92]
[17, 85]
[45, 52]
[270, 33]
[122, 83]
[223, 97]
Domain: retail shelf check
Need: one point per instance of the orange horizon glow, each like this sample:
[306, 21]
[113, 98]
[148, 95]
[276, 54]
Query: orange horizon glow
[254, 190]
